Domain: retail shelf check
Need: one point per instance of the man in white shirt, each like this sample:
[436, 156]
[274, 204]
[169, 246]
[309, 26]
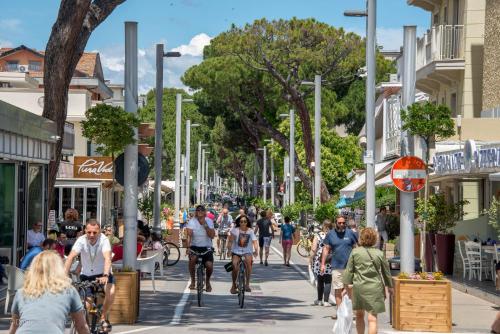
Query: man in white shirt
[200, 232]
[95, 257]
[35, 236]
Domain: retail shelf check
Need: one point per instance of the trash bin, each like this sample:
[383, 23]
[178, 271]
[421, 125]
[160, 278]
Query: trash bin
[395, 265]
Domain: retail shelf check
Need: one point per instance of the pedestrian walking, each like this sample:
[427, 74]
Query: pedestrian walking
[286, 239]
[324, 280]
[264, 228]
[381, 224]
[368, 272]
[340, 241]
[46, 299]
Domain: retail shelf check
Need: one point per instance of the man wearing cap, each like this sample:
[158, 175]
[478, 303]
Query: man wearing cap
[200, 232]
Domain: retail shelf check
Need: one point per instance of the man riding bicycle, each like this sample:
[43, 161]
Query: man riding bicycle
[200, 232]
[95, 258]
[225, 222]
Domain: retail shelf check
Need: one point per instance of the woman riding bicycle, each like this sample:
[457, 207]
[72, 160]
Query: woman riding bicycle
[242, 243]
[46, 299]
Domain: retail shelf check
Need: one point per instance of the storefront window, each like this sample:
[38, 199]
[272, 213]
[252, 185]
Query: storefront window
[36, 195]
[92, 203]
[66, 200]
[8, 193]
[471, 191]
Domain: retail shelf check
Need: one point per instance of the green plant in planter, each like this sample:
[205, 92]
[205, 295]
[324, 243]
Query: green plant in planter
[441, 216]
[326, 211]
[493, 218]
[145, 206]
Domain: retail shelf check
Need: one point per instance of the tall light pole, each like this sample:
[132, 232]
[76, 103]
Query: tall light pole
[264, 172]
[189, 125]
[130, 176]
[286, 175]
[273, 186]
[369, 158]
[202, 183]
[291, 195]
[317, 139]
[178, 120]
[205, 181]
[158, 133]
[183, 181]
[407, 209]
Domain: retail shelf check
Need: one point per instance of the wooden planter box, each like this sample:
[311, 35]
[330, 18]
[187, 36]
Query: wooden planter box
[422, 305]
[125, 309]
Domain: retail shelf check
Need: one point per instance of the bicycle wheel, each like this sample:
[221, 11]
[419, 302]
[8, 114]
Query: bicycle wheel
[199, 283]
[172, 254]
[302, 249]
[241, 285]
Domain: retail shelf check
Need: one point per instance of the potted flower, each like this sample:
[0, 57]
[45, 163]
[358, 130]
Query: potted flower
[441, 218]
[422, 296]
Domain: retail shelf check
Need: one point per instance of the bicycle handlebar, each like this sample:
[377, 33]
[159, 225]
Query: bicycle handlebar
[192, 252]
[89, 284]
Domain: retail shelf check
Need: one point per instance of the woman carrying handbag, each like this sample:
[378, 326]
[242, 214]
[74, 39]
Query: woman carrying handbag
[368, 272]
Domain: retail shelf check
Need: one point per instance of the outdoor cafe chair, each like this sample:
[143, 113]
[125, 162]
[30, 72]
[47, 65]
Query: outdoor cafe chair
[148, 265]
[465, 260]
[478, 264]
[15, 281]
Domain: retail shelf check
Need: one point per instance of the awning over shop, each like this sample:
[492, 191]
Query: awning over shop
[167, 187]
[386, 181]
[358, 183]
[494, 177]
[345, 201]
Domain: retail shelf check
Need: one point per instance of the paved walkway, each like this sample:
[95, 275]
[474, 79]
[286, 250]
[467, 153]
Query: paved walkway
[279, 303]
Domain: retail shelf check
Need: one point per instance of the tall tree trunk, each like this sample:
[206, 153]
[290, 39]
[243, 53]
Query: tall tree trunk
[74, 24]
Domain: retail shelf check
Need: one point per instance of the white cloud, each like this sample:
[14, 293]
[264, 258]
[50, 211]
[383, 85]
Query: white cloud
[113, 62]
[10, 24]
[5, 43]
[195, 46]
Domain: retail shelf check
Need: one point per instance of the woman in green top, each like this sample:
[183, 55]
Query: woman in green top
[368, 272]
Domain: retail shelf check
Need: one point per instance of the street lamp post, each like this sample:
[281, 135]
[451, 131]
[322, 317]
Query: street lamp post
[177, 195]
[369, 158]
[160, 54]
[189, 125]
[264, 173]
[291, 195]
[202, 183]
[272, 173]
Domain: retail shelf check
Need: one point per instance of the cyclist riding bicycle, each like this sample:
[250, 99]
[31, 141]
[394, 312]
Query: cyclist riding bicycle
[225, 222]
[95, 258]
[200, 232]
[242, 243]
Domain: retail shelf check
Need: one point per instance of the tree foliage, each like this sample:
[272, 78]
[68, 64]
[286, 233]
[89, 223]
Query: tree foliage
[440, 216]
[110, 127]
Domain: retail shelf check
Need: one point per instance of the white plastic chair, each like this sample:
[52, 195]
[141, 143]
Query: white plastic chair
[476, 261]
[495, 259]
[160, 255]
[147, 265]
[465, 260]
[15, 281]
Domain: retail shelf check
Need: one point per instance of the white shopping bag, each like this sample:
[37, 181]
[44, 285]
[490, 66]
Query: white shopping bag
[312, 278]
[343, 324]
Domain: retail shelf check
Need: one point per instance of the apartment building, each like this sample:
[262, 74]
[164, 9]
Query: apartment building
[21, 85]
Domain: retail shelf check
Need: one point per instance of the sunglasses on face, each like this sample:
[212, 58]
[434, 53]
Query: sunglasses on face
[342, 223]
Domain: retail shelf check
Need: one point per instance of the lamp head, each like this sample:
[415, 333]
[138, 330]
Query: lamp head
[172, 54]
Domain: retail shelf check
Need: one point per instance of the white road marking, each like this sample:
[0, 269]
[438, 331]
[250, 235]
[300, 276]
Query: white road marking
[179, 309]
[138, 330]
[301, 272]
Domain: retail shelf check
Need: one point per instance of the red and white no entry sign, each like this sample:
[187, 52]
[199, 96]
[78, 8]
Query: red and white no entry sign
[408, 174]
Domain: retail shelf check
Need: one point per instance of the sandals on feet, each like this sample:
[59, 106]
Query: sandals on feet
[208, 288]
[106, 326]
[233, 291]
[247, 289]
[192, 286]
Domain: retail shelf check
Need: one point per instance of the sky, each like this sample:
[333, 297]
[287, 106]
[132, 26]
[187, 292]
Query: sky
[188, 25]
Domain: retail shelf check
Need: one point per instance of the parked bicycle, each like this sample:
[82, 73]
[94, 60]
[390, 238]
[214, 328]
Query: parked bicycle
[91, 294]
[304, 245]
[171, 253]
[200, 273]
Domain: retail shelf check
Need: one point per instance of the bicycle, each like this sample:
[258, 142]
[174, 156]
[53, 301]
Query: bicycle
[200, 273]
[91, 295]
[304, 245]
[223, 242]
[171, 253]
[241, 281]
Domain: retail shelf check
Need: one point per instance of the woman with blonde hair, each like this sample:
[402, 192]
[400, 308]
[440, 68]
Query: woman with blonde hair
[46, 299]
[368, 272]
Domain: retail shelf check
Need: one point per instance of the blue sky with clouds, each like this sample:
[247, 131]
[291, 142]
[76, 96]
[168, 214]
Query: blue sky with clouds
[188, 25]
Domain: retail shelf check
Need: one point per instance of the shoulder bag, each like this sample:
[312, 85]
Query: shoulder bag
[378, 271]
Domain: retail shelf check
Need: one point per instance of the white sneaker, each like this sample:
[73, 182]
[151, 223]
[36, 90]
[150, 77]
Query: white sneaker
[318, 302]
[326, 304]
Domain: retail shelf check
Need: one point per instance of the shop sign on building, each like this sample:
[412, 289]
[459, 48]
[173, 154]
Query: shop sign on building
[93, 168]
[471, 159]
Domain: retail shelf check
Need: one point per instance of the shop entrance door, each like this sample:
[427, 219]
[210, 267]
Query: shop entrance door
[8, 212]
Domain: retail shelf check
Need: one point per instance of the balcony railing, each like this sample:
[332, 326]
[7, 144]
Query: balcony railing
[392, 128]
[442, 42]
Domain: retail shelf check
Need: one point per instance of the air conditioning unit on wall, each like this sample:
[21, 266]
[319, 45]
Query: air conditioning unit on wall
[23, 68]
